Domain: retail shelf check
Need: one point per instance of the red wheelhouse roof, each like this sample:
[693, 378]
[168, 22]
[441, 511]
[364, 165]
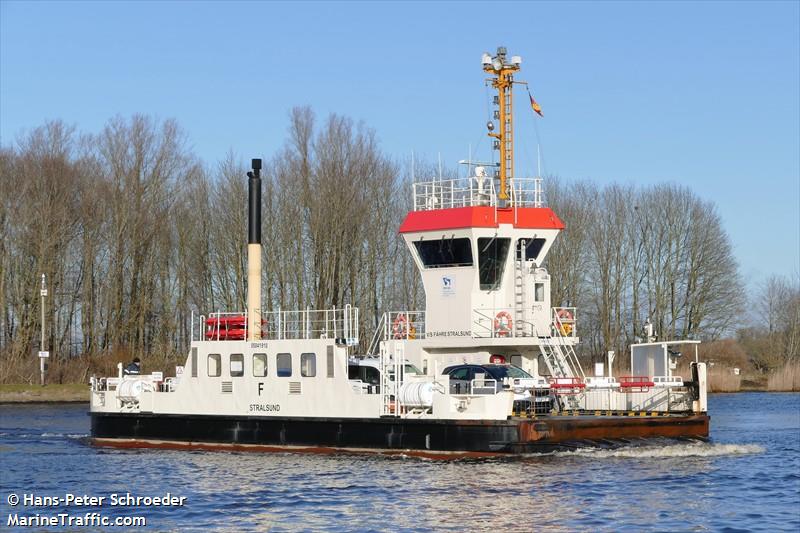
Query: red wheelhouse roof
[480, 217]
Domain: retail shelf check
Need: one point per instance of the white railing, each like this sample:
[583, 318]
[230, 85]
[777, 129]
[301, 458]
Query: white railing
[478, 386]
[499, 323]
[341, 323]
[565, 322]
[668, 381]
[408, 325]
[601, 382]
[475, 191]
[334, 323]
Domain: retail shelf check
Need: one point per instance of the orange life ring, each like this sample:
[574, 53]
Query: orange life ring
[400, 326]
[503, 324]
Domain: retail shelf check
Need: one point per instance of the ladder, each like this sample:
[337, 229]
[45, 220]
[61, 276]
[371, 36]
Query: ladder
[392, 357]
[519, 288]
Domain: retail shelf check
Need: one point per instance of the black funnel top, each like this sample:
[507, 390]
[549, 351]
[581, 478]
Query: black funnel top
[254, 200]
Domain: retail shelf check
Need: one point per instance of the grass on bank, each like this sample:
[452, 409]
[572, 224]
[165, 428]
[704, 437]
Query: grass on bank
[785, 379]
[25, 393]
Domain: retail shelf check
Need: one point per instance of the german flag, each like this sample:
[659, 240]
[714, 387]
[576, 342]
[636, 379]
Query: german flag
[536, 107]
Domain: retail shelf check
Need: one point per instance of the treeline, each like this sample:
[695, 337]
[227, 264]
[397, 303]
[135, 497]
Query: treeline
[134, 233]
[632, 254]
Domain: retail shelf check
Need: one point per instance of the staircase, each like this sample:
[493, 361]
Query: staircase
[381, 333]
[561, 360]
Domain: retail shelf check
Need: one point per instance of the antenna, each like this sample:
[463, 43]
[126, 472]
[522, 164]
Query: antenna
[502, 71]
[538, 161]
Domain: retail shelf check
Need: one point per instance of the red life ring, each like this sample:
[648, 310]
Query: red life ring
[503, 324]
[400, 326]
[564, 314]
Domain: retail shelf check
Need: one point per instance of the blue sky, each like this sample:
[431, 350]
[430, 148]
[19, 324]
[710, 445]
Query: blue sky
[701, 94]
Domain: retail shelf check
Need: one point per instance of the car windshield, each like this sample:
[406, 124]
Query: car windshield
[511, 371]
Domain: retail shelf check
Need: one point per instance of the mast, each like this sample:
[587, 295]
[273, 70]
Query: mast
[503, 80]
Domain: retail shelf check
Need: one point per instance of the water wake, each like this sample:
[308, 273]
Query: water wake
[694, 449]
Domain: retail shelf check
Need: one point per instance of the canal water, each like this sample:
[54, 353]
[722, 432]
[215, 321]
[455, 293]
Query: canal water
[747, 478]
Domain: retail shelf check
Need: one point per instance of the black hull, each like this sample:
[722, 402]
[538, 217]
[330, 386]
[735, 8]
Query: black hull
[516, 435]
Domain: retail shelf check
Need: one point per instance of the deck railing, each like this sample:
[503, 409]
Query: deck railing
[475, 191]
[334, 323]
[408, 325]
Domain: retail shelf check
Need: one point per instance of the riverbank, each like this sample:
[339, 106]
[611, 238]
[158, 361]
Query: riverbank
[56, 393]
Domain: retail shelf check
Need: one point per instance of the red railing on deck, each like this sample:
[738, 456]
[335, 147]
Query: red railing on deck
[635, 383]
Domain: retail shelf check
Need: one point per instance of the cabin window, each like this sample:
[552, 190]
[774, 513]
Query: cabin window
[442, 253]
[284, 366]
[194, 362]
[492, 254]
[330, 361]
[237, 365]
[259, 365]
[532, 247]
[538, 292]
[308, 365]
[214, 365]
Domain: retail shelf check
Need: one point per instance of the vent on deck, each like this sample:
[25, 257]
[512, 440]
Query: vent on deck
[227, 387]
[294, 387]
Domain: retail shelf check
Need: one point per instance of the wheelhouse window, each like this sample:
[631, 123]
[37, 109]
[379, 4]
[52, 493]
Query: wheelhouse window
[492, 253]
[308, 365]
[443, 253]
[214, 365]
[259, 365]
[284, 366]
[237, 365]
[532, 248]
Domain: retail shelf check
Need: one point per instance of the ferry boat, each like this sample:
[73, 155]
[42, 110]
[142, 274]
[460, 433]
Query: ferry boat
[489, 366]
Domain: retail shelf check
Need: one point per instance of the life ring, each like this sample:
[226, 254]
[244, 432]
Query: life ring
[400, 326]
[565, 322]
[503, 324]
